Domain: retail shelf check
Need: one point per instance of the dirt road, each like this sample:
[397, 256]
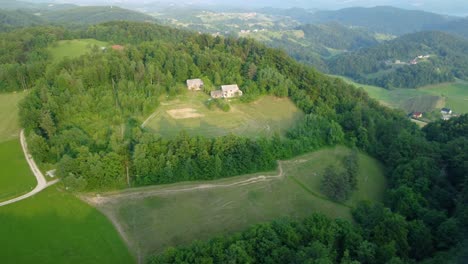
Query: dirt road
[41, 181]
[143, 192]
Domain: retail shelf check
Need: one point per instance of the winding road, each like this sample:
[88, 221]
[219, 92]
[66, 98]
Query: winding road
[41, 181]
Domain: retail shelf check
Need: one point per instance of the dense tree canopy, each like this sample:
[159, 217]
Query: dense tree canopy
[378, 65]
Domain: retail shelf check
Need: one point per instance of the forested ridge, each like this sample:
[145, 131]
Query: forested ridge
[395, 64]
[84, 114]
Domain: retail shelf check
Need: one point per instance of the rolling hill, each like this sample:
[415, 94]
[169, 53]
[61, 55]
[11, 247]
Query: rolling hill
[410, 61]
[459, 27]
[383, 19]
[95, 15]
[11, 19]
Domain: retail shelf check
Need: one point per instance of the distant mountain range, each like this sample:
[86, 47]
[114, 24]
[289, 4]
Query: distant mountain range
[454, 7]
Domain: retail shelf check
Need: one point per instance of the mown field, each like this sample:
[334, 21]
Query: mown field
[56, 227]
[264, 117]
[74, 48]
[15, 175]
[157, 217]
[9, 127]
[424, 99]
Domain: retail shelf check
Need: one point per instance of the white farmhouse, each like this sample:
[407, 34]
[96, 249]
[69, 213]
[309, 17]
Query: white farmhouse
[231, 90]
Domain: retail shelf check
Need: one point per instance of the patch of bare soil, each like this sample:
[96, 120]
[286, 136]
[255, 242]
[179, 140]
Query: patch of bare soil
[184, 113]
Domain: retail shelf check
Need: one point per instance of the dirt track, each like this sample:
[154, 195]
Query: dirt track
[103, 202]
[138, 193]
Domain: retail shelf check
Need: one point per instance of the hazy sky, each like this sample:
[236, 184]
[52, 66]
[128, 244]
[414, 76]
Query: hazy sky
[459, 7]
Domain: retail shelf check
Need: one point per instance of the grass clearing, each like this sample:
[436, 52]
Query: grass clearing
[9, 125]
[154, 218]
[424, 99]
[73, 48]
[264, 117]
[56, 227]
[15, 177]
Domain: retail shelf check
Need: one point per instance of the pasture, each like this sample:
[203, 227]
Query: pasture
[56, 227]
[424, 99]
[9, 126]
[156, 217]
[74, 48]
[264, 117]
[15, 177]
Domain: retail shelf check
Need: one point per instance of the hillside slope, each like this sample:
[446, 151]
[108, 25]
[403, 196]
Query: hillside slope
[382, 19]
[11, 19]
[95, 15]
[412, 60]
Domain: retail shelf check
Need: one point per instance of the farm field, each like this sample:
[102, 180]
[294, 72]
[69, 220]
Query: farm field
[156, 217]
[73, 48]
[15, 176]
[9, 127]
[264, 117]
[424, 99]
[56, 227]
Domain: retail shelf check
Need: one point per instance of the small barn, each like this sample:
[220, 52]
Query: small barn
[216, 94]
[195, 84]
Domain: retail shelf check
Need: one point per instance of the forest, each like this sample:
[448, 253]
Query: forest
[378, 65]
[83, 114]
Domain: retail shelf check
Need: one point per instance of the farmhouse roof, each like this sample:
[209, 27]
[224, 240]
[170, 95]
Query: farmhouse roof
[231, 87]
[445, 109]
[117, 47]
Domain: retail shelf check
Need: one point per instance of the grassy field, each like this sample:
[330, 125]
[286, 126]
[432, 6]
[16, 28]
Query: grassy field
[74, 48]
[56, 227]
[9, 127]
[15, 176]
[154, 218]
[424, 99]
[263, 117]
[50, 227]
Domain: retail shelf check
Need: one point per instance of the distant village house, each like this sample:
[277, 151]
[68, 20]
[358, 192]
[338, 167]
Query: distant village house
[446, 111]
[117, 47]
[195, 84]
[417, 115]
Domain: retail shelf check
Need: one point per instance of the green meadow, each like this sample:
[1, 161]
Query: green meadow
[264, 117]
[425, 99]
[9, 126]
[157, 217]
[56, 227]
[15, 176]
[74, 48]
